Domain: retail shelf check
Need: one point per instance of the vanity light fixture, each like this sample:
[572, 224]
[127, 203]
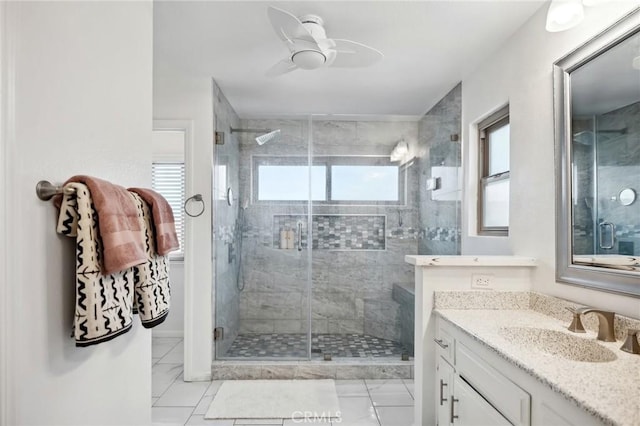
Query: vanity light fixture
[400, 151]
[564, 14]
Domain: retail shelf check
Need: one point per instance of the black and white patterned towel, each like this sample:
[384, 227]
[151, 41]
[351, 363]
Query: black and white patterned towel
[105, 304]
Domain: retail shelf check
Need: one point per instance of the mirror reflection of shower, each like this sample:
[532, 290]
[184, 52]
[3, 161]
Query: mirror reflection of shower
[267, 135]
[595, 160]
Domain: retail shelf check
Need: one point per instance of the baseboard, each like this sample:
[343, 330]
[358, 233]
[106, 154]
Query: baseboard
[167, 333]
[203, 376]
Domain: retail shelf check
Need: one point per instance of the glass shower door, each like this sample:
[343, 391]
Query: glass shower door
[262, 255]
[616, 169]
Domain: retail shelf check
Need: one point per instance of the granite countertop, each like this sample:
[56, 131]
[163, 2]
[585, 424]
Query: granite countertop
[608, 390]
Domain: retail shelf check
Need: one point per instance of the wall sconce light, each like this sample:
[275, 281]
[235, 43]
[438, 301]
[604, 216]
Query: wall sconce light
[399, 152]
[564, 14]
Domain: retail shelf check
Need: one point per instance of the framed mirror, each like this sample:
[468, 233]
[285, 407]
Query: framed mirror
[597, 132]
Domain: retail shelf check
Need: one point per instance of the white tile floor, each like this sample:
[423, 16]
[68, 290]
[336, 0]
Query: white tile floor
[362, 402]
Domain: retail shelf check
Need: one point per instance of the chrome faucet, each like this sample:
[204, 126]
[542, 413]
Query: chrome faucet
[606, 332]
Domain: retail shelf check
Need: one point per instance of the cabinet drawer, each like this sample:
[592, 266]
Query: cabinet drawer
[507, 397]
[444, 342]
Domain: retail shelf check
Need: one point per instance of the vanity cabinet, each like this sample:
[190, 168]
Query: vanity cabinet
[469, 408]
[470, 392]
[475, 386]
[444, 391]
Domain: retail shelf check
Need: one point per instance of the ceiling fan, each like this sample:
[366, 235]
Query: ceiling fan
[310, 48]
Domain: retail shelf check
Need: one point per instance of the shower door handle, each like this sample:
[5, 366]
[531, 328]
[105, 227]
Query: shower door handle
[612, 228]
[299, 236]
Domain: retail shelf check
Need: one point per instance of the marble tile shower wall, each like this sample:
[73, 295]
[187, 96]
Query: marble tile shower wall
[226, 294]
[439, 220]
[351, 288]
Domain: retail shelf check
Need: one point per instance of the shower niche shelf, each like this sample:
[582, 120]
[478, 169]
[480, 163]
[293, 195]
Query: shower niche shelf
[335, 232]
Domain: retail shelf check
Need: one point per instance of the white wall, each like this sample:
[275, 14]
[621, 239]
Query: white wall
[520, 73]
[180, 98]
[80, 102]
[5, 303]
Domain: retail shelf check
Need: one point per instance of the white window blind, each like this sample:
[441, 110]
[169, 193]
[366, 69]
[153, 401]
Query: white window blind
[167, 178]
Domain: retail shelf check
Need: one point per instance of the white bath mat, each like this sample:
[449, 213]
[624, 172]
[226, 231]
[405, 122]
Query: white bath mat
[275, 399]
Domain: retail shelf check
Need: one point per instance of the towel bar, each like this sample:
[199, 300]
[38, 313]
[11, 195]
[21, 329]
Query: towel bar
[45, 190]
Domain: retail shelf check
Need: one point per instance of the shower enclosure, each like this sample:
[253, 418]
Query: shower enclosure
[606, 169]
[310, 240]
[313, 217]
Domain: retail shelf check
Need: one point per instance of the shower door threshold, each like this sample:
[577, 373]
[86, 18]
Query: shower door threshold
[338, 368]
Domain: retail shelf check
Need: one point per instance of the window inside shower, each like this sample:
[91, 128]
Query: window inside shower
[336, 179]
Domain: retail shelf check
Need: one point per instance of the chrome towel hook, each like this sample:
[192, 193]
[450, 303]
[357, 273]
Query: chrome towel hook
[197, 197]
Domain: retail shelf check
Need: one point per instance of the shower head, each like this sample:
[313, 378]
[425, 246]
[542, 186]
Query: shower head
[267, 137]
[262, 139]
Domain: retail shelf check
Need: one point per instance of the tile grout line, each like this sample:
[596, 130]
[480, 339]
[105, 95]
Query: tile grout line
[165, 391]
[170, 349]
[167, 354]
[200, 400]
[174, 380]
[407, 388]
[372, 404]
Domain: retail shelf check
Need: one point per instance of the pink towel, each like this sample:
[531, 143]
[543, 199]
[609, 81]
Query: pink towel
[118, 223]
[163, 222]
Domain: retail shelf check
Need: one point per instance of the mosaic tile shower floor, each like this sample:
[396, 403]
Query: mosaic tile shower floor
[295, 346]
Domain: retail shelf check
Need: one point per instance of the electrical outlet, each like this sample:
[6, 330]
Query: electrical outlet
[481, 281]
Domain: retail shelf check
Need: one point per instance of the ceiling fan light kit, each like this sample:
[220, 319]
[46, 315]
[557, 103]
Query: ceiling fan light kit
[308, 59]
[309, 47]
[564, 14]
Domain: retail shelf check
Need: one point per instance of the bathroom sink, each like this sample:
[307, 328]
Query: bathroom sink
[558, 343]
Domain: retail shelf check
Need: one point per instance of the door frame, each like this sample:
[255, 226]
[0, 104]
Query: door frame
[190, 320]
[8, 35]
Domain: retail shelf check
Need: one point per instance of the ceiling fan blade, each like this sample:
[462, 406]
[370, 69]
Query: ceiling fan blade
[282, 67]
[287, 26]
[331, 56]
[326, 43]
[351, 54]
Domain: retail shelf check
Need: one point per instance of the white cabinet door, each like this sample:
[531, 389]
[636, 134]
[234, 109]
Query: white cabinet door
[444, 391]
[471, 409]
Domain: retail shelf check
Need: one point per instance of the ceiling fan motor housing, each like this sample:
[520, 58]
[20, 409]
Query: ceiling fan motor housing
[315, 25]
